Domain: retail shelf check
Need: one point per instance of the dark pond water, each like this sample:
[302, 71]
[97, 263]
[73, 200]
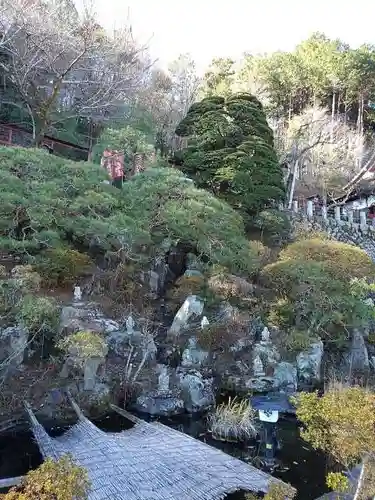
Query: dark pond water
[304, 468]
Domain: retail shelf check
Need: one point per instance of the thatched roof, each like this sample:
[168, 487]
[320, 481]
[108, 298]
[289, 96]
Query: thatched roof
[150, 461]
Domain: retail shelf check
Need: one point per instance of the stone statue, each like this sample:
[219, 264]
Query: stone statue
[258, 368]
[130, 325]
[265, 335]
[163, 379]
[204, 322]
[77, 293]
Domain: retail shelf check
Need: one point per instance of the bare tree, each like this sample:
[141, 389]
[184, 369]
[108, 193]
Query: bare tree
[322, 154]
[168, 97]
[61, 63]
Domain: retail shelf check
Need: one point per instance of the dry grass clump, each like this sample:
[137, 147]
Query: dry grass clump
[233, 421]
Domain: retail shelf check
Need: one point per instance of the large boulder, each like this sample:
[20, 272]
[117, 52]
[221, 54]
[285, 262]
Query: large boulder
[197, 392]
[285, 377]
[13, 342]
[358, 358]
[158, 403]
[193, 306]
[193, 356]
[82, 317]
[309, 363]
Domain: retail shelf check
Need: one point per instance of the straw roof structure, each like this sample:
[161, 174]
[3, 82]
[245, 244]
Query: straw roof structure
[150, 461]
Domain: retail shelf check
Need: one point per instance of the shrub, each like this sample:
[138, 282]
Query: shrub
[286, 276]
[340, 423]
[123, 284]
[314, 301]
[274, 225]
[221, 336]
[235, 420]
[39, 314]
[281, 314]
[340, 259]
[298, 340]
[185, 286]
[230, 151]
[226, 286]
[65, 202]
[276, 491]
[59, 480]
[62, 266]
[84, 345]
[10, 294]
[28, 280]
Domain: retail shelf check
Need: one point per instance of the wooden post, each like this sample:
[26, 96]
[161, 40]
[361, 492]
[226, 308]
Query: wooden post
[338, 213]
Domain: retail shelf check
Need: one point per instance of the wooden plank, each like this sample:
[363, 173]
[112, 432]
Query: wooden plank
[127, 415]
[8, 482]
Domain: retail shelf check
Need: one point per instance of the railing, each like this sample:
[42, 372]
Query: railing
[337, 215]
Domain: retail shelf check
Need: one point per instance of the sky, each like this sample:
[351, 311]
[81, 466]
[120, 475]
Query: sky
[214, 28]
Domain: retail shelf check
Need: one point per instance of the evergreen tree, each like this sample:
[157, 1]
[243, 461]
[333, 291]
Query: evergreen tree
[231, 153]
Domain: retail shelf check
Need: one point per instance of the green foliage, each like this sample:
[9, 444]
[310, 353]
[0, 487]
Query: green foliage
[219, 78]
[27, 278]
[46, 199]
[336, 481]
[316, 296]
[274, 225]
[39, 315]
[62, 266]
[162, 203]
[230, 152]
[128, 140]
[64, 202]
[296, 340]
[84, 345]
[340, 423]
[10, 294]
[340, 259]
[53, 480]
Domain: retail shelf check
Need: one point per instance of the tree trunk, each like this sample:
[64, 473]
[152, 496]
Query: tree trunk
[293, 184]
[333, 117]
[361, 105]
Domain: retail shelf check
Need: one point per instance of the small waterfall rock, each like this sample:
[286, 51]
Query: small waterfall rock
[197, 392]
[193, 306]
[285, 377]
[309, 363]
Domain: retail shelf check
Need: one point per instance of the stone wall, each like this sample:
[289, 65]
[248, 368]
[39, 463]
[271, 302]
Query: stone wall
[347, 226]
